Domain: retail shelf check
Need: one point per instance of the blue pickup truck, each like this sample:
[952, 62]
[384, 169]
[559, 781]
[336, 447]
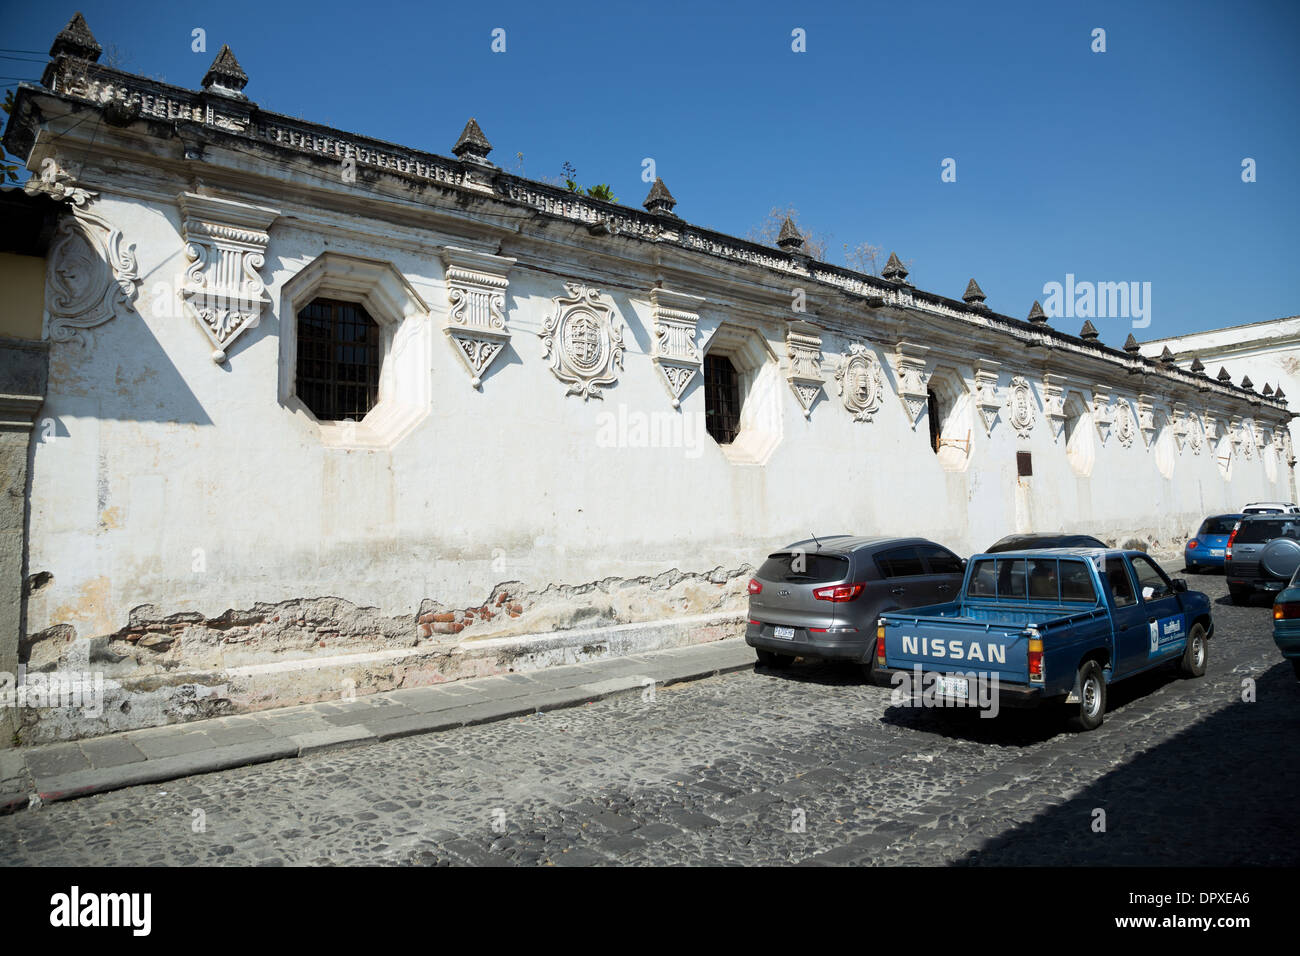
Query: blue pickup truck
[1049, 626]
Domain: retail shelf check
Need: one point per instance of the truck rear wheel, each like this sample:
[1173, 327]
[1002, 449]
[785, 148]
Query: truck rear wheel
[1092, 698]
[1193, 662]
[774, 660]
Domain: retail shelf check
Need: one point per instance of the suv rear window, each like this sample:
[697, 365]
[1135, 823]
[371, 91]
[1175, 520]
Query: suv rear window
[1257, 531]
[1218, 526]
[800, 567]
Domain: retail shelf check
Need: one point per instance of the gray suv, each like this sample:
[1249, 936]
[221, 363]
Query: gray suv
[820, 598]
[1262, 554]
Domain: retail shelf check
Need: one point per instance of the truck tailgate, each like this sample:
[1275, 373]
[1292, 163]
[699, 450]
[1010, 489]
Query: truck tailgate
[949, 645]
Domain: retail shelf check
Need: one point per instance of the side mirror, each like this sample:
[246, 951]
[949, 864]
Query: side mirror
[1180, 585]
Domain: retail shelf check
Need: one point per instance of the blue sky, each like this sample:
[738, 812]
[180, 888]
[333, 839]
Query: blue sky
[1115, 166]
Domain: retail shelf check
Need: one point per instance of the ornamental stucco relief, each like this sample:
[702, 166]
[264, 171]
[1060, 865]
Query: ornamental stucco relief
[90, 278]
[804, 347]
[476, 321]
[1125, 426]
[676, 320]
[1020, 404]
[583, 343]
[860, 382]
[225, 243]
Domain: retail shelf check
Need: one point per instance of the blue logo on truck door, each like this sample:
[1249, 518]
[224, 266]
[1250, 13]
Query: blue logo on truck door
[1165, 633]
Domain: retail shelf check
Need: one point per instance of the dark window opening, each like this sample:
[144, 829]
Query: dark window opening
[721, 399]
[932, 412]
[1024, 464]
[338, 360]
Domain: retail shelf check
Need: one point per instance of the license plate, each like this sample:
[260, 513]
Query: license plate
[953, 687]
[785, 633]
[1216, 552]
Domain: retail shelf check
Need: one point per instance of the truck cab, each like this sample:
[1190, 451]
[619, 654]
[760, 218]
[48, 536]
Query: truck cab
[1051, 626]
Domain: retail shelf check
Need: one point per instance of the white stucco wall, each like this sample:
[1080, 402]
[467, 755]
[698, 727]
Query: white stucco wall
[177, 482]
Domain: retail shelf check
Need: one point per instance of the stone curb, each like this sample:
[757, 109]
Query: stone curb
[607, 679]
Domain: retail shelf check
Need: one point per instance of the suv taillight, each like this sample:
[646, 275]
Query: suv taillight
[838, 593]
[1286, 610]
[1227, 552]
[755, 587]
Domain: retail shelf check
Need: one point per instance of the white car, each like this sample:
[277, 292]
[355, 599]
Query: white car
[1271, 508]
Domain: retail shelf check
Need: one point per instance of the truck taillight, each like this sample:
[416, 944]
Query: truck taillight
[755, 587]
[838, 593]
[1035, 658]
[1227, 552]
[1286, 610]
[880, 646]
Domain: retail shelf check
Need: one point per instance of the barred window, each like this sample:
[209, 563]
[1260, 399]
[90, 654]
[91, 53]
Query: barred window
[932, 413]
[721, 399]
[338, 360]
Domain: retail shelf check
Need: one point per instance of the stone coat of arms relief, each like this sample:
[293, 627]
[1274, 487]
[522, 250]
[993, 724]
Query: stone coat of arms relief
[584, 345]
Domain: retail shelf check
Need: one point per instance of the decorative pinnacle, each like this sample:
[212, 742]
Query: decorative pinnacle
[660, 201]
[1223, 375]
[789, 239]
[1198, 365]
[974, 295]
[1131, 344]
[76, 40]
[894, 270]
[1268, 389]
[1166, 356]
[1279, 394]
[1037, 315]
[1247, 383]
[225, 75]
[472, 146]
[1089, 331]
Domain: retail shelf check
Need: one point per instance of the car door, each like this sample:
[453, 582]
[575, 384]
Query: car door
[944, 572]
[1128, 616]
[1166, 623]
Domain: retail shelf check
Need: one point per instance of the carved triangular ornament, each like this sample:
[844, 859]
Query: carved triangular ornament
[477, 352]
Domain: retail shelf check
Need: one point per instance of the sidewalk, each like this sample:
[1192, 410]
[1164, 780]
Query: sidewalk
[33, 775]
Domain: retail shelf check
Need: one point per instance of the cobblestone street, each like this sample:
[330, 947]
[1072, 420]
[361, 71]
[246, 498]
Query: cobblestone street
[723, 770]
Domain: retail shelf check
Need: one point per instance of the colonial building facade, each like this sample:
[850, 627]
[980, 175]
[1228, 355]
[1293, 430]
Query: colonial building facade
[1263, 356]
[326, 414]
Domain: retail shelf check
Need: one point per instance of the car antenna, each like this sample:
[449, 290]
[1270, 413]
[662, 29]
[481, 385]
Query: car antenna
[814, 537]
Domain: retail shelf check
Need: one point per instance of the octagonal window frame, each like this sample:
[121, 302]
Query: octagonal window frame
[405, 323]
